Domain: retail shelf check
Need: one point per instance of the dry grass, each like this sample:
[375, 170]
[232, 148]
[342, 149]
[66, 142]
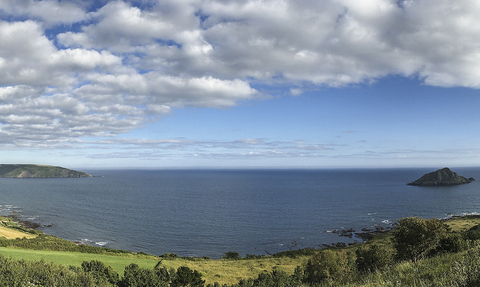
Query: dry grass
[464, 223]
[10, 233]
[231, 271]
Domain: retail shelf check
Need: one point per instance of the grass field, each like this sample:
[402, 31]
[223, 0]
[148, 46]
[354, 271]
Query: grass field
[221, 271]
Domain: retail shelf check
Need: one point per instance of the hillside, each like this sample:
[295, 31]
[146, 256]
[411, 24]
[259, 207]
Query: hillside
[38, 171]
[441, 177]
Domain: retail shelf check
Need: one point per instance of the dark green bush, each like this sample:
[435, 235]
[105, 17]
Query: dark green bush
[328, 264]
[373, 258]
[187, 277]
[231, 255]
[414, 238]
[473, 233]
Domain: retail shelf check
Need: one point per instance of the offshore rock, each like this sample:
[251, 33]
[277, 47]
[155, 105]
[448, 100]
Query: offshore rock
[441, 177]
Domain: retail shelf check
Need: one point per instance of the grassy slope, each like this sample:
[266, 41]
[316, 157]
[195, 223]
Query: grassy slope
[231, 271]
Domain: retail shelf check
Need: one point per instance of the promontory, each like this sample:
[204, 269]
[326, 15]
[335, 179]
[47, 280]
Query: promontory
[441, 177]
[38, 171]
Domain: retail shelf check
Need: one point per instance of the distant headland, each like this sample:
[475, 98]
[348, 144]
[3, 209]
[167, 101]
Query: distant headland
[441, 177]
[38, 171]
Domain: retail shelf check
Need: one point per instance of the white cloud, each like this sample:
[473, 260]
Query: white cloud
[49, 12]
[121, 66]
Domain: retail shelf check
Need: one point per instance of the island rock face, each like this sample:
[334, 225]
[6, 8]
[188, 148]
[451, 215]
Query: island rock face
[38, 171]
[441, 177]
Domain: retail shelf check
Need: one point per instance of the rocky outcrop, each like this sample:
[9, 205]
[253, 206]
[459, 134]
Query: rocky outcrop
[441, 177]
[38, 171]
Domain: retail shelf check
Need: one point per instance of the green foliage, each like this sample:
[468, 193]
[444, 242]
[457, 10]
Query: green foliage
[309, 251]
[100, 272]
[414, 237]
[169, 256]
[187, 277]
[135, 276]
[329, 264]
[373, 258]
[473, 233]
[231, 255]
[38, 273]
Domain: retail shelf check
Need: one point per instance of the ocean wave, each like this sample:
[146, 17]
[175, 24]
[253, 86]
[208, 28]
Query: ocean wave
[101, 243]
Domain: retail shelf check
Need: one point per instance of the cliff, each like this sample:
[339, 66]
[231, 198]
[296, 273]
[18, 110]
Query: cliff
[441, 177]
[38, 171]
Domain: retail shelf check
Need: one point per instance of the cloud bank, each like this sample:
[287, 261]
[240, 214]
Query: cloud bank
[76, 69]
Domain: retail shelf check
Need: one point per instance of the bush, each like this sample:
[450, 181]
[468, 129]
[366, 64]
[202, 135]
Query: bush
[169, 256]
[473, 233]
[414, 238]
[373, 258]
[187, 277]
[100, 272]
[328, 264]
[231, 255]
[134, 276]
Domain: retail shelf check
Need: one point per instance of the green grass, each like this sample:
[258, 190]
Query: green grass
[118, 263]
[221, 270]
[464, 223]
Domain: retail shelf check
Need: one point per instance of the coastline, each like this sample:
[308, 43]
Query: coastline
[365, 234]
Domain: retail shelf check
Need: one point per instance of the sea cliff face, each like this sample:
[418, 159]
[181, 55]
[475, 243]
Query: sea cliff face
[441, 177]
[38, 171]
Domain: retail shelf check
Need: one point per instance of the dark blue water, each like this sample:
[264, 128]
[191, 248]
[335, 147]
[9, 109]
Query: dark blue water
[209, 212]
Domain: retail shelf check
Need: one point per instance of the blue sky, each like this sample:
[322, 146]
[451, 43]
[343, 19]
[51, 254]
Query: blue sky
[181, 84]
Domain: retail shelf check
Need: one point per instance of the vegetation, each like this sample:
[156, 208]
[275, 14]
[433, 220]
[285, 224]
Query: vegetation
[37, 171]
[419, 252]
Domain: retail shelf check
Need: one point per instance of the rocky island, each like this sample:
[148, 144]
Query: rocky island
[38, 171]
[441, 177]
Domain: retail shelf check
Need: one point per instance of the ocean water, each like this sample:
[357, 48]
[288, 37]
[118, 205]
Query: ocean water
[209, 212]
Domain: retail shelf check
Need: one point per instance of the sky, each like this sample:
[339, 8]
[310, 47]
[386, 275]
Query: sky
[240, 83]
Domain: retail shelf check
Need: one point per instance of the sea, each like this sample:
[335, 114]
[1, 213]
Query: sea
[208, 212]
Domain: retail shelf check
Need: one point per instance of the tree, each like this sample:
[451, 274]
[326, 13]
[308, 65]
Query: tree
[414, 237]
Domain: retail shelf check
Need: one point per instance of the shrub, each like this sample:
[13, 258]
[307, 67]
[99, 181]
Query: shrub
[187, 277]
[328, 264]
[473, 233]
[134, 276]
[231, 255]
[169, 256]
[414, 238]
[375, 257]
[100, 272]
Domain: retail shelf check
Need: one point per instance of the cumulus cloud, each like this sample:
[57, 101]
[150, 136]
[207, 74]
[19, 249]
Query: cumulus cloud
[73, 69]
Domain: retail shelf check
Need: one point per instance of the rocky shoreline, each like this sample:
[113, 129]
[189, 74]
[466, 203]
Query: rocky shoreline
[16, 216]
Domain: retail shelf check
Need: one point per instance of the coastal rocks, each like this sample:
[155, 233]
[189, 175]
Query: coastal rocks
[441, 177]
